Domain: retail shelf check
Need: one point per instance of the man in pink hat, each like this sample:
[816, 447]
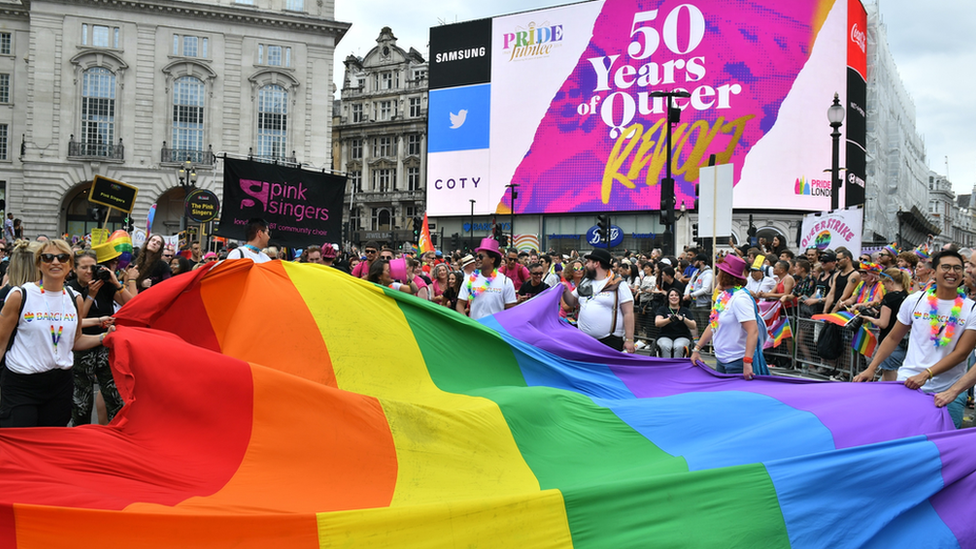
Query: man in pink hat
[486, 291]
[732, 325]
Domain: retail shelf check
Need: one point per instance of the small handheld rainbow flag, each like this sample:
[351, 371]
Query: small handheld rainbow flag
[865, 342]
[840, 318]
[425, 244]
[780, 331]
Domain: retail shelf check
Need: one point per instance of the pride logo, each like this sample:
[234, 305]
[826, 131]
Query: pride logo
[822, 242]
[802, 187]
[29, 317]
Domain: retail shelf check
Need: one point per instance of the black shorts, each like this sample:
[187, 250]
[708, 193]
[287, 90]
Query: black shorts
[35, 400]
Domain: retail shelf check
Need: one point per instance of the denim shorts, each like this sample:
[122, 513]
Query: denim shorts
[734, 367]
[895, 359]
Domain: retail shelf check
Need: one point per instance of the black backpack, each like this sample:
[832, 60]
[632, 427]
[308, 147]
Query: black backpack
[830, 345]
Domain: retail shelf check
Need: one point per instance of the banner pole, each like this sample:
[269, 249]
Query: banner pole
[108, 214]
[714, 225]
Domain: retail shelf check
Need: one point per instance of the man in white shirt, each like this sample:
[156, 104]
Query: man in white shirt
[935, 363]
[758, 281]
[489, 292]
[258, 236]
[698, 293]
[606, 303]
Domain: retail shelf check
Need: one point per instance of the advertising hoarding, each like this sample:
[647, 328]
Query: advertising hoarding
[565, 110]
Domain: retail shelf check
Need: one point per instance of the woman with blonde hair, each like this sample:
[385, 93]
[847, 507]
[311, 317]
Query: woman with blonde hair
[896, 282]
[36, 382]
[21, 268]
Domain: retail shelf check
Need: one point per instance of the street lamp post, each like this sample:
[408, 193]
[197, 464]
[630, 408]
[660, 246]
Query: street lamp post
[471, 226]
[187, 175]
[667, 184]
[835, 115]
[513, 186]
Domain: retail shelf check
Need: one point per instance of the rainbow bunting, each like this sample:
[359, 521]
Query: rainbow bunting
[865, 342]
[264, 412]
[425, 244]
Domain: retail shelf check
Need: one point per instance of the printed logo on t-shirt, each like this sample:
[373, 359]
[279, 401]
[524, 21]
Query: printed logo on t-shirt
[919, 315]
[54, 317]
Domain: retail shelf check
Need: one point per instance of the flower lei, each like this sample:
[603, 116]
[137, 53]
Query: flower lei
[867, 294]
[720, 304]
[951, 323]
[475, 291]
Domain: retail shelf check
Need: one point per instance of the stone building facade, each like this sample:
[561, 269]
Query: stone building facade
[381, 131]
[131, 90]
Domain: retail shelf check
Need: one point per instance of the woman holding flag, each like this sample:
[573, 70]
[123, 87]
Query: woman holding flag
[732, 322]
[895, 282]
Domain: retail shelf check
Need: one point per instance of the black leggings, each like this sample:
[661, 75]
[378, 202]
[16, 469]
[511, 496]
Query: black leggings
[35, 400]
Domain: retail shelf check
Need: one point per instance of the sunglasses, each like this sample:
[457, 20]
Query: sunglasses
[371, 251]
[536, 274]
[48, 258]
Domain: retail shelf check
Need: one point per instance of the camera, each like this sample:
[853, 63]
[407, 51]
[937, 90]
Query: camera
[103, 274]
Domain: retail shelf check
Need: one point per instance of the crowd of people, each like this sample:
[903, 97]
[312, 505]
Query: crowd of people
[921, 304]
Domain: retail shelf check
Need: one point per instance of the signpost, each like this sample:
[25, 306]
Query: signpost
[114, 194]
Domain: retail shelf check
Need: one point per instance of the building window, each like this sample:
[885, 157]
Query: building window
[272, 121]
[357, 113]
[190, 46]
[381, 219]
[4, 88]
[382, 146]
[98, 110]
[386, 80]
[383, 180]
[5, 43]
[275, 56]
[413, 144]
[188, 97]
[413, 179]
[356, 148]
[414, 107]
[386, 107]
[295, 5]
[99, 36]
[356, 179]
[3, 141]
[420, 74]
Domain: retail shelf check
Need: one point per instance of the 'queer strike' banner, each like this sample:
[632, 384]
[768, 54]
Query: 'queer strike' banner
[833, 230]
[302, 208]
[560, 102]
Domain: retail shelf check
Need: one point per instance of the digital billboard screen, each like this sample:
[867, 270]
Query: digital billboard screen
[558, 102]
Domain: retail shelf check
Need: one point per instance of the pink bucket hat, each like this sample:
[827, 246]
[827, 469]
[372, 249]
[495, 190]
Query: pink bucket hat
[489, 244]
[733, 265]
[398, 270]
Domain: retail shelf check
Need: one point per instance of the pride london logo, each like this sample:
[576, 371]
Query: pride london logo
[534, 41]
[814, 187]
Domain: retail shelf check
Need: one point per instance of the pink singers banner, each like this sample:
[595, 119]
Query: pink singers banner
[571, 120]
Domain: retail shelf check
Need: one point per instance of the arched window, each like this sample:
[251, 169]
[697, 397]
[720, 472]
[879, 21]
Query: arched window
[272, 122]
[98, 112]
[188, 117]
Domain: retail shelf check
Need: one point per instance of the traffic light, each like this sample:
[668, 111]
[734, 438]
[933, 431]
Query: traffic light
[502, 240]
[697, 197]
[694, 232]
[667, 201]
[417, 222]
[603, 228]
[455, 241]
[496, 232]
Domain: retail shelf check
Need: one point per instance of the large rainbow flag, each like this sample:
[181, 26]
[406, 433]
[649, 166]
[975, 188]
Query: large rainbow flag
[288, 405]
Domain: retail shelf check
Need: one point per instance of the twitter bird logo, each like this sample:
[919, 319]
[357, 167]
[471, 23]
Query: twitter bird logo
[457, 120]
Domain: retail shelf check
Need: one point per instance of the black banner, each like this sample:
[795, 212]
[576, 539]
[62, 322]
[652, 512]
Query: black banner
[857, 124]
[460, 54]
[302, 208]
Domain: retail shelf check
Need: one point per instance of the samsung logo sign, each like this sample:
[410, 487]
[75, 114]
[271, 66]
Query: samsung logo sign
[458, 55]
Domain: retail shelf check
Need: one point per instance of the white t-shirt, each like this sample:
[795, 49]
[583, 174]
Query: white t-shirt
[500, 292]
[596, 311]
[729, 338]
[922, 352]
[243, 252]
[764, 284]
[33, 351]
